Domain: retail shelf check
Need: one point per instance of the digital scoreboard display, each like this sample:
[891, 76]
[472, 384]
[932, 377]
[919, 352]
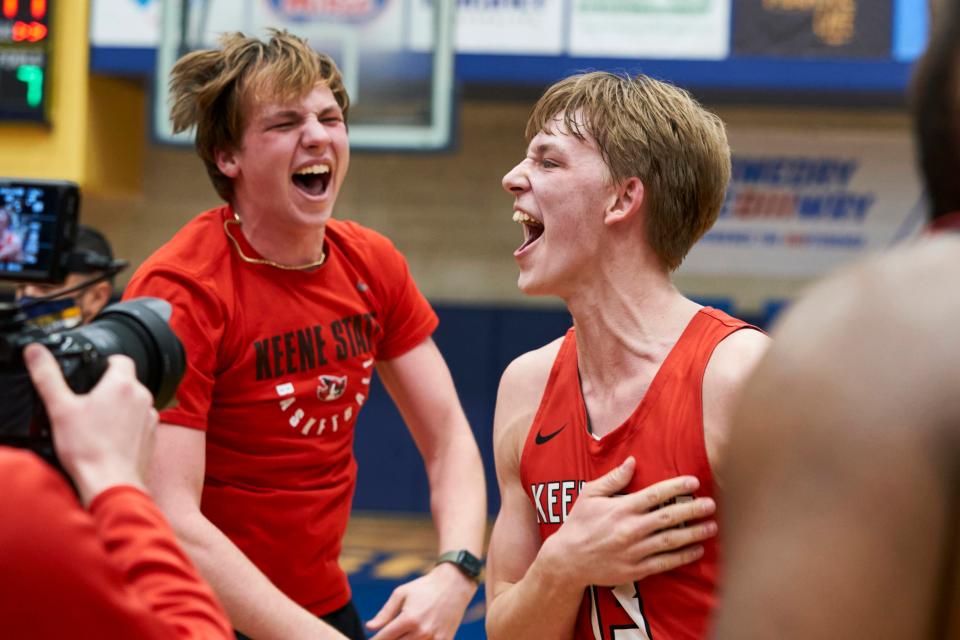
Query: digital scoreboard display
[24, 54]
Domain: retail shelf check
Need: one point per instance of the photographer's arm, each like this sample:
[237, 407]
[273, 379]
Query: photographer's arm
[256, 607]
[119, 573]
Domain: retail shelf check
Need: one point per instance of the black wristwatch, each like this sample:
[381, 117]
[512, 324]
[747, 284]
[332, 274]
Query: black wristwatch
[468, 563]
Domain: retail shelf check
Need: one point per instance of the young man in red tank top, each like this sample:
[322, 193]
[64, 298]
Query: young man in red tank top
[606, 439]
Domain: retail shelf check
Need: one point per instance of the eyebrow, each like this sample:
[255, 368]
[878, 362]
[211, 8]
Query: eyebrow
[297, 113]
[284, 113]
[545, 147]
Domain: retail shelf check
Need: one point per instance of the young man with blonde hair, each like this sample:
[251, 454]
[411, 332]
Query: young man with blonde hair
[284, 312]
[622, 176]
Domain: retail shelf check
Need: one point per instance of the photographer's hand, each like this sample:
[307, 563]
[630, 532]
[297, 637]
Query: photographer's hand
[103, 438]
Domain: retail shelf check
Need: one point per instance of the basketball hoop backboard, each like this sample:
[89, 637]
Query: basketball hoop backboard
[396, 57]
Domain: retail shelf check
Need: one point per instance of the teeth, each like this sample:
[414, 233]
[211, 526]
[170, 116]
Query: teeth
[313, 169]
[523, 218]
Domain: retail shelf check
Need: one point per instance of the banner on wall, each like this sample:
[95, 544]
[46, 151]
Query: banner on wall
[500, 27]
[800, 204]
[523, 27]
[681, 29]
[125, 23]
[670, 29]
[813, 28]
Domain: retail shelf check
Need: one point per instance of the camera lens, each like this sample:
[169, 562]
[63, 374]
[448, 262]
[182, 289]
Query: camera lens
[138, 328]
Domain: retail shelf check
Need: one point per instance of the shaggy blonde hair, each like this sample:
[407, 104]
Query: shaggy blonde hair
[214, 89]
[656, 132]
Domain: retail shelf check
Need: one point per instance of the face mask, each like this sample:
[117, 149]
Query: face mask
[51, 316]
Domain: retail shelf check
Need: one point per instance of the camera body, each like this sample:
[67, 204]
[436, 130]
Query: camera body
[39, 221]
[136, 328]
[23, 420]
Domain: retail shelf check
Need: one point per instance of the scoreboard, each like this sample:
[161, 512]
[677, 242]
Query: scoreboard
[24, 58]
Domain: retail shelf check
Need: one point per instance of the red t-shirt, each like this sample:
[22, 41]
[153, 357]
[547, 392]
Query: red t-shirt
[665, 436]
[278, 366]
[115, 572]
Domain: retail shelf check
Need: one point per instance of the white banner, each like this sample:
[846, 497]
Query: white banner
[521, 27]
[672, 29]
[680, 29]
[125, 23]
[515, 27]
[801, 203]
[136, 23]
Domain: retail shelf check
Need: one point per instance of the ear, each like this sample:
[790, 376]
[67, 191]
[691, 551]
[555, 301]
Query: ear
[628, 201]
[95, 299]
[227, 162]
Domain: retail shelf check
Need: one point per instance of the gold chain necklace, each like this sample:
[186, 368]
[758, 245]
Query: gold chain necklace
[271, 263]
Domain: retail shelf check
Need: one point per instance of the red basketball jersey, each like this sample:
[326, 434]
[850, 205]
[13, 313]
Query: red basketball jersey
[665, 435]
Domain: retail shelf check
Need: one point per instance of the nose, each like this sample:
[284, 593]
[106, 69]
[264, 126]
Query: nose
[315, 134]
[515, 181]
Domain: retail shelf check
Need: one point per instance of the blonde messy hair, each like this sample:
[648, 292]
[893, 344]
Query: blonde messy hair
[656, 132]
[213, 89]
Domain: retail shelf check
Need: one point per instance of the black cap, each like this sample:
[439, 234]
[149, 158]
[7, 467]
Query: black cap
[90, 240]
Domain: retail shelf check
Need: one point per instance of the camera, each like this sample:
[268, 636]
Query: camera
[137, 328]
[38, 222]
[38, 225]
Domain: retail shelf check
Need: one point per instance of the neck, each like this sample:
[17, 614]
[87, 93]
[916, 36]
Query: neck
[284, 245]
[625, 331]
[625, 325]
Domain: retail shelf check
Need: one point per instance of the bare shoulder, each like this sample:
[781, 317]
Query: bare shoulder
[529, 372]
[855, 409]
[518, 398]
[887, 320]
[734, 359]
[732, 362]
[876, 344]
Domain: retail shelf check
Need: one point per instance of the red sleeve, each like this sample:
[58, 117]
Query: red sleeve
[198, 320]
[118, 574]
[142, 546]
[408, 319]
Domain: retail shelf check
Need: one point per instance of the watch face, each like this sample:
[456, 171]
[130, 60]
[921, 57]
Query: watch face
[470, 563]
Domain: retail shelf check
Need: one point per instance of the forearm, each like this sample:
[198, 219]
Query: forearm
[458, 499]
[256, 607]
[540, 606]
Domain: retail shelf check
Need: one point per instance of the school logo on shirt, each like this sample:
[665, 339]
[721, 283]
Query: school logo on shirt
[329, 388]
[288, 360]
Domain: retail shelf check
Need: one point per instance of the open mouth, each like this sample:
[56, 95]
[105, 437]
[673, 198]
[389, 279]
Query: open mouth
[313, 179]
[532, 229]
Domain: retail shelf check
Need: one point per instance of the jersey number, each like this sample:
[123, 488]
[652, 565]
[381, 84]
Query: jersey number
[617, 614]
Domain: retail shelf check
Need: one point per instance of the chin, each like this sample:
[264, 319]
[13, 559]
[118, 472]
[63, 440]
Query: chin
[316, 218]
[530, 287]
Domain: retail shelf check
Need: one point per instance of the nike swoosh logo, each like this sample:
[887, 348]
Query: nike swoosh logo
[541, 439]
